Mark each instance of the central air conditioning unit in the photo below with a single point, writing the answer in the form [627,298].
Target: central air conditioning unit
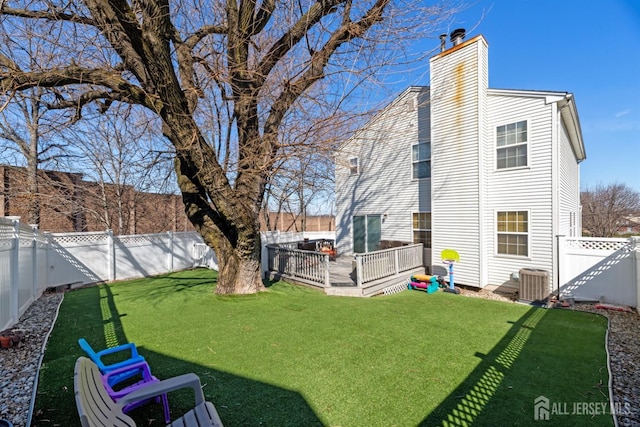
[534,285]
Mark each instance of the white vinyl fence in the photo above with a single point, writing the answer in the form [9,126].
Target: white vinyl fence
[594,269]
[23,267]
[31,261]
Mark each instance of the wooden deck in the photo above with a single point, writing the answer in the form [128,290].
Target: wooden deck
[385,271]
[343,280]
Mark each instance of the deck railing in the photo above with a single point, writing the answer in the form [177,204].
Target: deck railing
[313,267]
[377,265]
[307,266]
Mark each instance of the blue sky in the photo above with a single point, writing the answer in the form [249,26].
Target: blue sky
[589,48]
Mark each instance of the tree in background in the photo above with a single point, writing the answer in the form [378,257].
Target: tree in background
[124,157]
[605,206]
[224,79]
[303,180]
[27,138]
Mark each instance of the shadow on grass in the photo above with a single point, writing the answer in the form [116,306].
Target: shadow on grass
[500,391]
[503,387]
[239,401]
[176,283]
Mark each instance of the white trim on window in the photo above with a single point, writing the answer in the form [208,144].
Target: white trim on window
[354,166]
[512,145]
[421,228]
[421,160]
[513,233]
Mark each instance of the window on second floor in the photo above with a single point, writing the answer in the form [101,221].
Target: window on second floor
[421,158]
[511,145]
[354,166]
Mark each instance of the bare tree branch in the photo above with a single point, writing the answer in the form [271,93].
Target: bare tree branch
[46,15]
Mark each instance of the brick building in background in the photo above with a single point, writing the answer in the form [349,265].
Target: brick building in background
[284,221]
[70,204]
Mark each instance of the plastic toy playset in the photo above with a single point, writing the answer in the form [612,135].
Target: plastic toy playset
[430,284]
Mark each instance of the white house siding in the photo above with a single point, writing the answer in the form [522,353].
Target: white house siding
[458,86]
[466,190]
[384,184]
[486,156]
[569,223]
[527,188]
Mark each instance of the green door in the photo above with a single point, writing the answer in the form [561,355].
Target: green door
[367,232]
[374,232]
[359,234]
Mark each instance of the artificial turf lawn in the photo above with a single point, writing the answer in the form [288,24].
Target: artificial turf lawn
[293,356]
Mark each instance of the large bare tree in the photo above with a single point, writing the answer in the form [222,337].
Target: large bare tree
[224,77]
[604,207]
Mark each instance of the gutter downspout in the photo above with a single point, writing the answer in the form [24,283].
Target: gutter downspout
[555,197]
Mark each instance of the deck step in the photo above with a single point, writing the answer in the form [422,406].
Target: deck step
[344,292]
[343,284]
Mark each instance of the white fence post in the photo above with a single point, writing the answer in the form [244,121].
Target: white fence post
[47,239]
[170,255]
[15,272]
[635,247]
[111,256]
[34,263]
[559,276]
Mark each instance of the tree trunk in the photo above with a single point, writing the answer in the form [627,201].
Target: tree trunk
[239,265]
[32,188]
[238,274]
[237,245]
[32,165]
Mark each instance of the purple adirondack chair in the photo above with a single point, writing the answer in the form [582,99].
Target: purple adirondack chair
[143,377]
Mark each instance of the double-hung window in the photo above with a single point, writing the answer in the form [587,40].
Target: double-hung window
[513,233]
[354,166]
[422,228]
[511,145]
[421,158]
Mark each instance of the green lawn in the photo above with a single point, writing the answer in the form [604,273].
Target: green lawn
[292,356]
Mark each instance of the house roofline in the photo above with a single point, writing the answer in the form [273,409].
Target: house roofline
[569,113]
[566,106]
[526,93]
[394,101]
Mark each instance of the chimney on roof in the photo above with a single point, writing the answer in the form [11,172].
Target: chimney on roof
[443,42]
[457,36]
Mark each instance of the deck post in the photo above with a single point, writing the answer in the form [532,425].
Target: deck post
[396,261]
[359,271]
[327,280]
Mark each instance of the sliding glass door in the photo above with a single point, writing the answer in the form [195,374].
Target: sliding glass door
[367,232]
